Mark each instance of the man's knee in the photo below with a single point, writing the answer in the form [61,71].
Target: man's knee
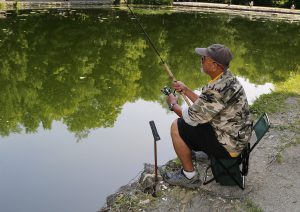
[174,129]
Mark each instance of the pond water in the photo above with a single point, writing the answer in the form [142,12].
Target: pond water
[79,87]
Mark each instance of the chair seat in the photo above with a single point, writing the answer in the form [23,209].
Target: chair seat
[232,171]
[221,175]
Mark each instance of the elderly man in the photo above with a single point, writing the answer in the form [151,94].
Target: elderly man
[218,121]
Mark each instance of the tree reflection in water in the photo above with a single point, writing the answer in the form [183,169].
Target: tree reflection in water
[82,66]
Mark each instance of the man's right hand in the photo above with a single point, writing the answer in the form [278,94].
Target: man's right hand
[179,86]
[183,89]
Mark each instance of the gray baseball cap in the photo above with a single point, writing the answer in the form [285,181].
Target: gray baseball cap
[218,52]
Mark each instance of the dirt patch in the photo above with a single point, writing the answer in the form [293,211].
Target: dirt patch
[272,183]
[275,163]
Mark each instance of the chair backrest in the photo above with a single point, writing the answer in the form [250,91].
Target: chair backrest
[260,128]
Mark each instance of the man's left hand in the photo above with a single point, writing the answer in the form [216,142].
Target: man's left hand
[171,99]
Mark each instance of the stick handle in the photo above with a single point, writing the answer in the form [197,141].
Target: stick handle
[154,131]
[156,138]
[171,76]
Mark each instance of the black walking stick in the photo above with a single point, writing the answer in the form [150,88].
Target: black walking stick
[156,138]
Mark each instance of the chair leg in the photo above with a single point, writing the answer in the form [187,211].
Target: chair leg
[209,181]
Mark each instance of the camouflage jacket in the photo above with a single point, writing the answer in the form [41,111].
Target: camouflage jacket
[223,103]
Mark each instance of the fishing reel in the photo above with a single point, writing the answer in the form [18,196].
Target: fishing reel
[167,91]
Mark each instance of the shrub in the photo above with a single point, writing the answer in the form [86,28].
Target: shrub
[2,5]
[289,3]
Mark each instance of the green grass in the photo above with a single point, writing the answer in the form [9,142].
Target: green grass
[293,142]
[247,206]
[291,85]
[275,102]
[269,103]
[279,158]
[132,202]
[252,207]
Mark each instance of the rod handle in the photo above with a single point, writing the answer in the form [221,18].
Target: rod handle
[154,131]
[171,76]
[169,72]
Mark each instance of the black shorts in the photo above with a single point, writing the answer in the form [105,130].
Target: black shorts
[201,138]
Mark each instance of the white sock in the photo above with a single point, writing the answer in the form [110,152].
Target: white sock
[189,175]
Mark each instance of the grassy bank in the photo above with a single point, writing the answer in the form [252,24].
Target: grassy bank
[275,102]
[285,99]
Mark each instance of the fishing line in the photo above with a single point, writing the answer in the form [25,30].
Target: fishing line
[169,72]
[146,34]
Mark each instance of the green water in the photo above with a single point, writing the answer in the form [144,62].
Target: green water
[78,70]
[82,66]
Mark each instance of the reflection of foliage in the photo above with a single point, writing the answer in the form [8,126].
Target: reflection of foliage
[82,67]
[270,52]
[68,77]
[81,135]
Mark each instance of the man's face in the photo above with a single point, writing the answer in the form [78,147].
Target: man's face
[205,64]
[208,65]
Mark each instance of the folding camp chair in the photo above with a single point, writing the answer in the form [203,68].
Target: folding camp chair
[232,171]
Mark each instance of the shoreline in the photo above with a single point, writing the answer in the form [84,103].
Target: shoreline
[254,12]
[177,6]
[274,160]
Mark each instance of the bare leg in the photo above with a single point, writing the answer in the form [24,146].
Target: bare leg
[182,150]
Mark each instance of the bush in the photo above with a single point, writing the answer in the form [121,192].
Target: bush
[2,5]
[116,2]
[289,3]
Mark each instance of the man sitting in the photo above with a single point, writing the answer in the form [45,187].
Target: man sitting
[218,122]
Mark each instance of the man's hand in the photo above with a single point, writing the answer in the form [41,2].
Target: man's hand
[173,105]
[183,89]
[171,99]
[179,86]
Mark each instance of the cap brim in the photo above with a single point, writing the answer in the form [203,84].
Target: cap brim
[201,51]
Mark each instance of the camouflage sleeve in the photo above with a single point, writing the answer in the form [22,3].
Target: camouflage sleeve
[204,109]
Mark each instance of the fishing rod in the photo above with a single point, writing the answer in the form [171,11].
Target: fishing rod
[167,69]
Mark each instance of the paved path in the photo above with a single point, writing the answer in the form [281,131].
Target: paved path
[237,7]
[46,4]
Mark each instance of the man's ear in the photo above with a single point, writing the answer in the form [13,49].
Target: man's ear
[215,67]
